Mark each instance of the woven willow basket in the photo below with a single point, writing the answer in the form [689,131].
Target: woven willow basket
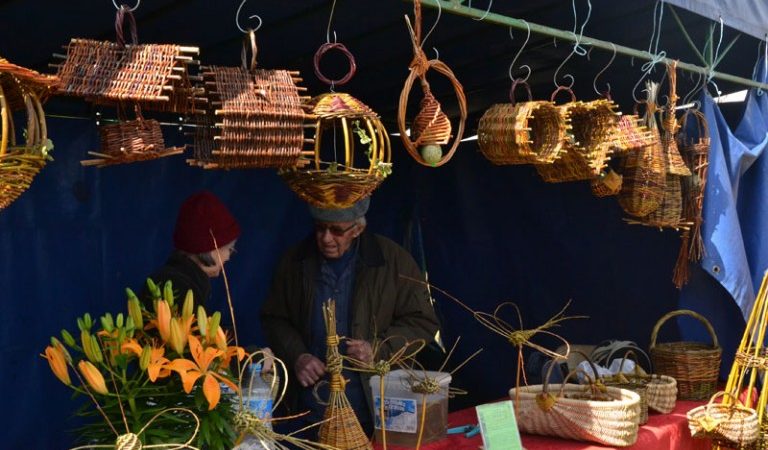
[662,393]
[595,129]
[607,184]
[131,141]
[632,134]
[592,413]
[21,89]
[522,133]
[732,425]
[695,365]
[574,415]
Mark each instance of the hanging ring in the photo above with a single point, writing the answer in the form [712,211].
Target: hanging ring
[350,58]
[130,9]
[237,19]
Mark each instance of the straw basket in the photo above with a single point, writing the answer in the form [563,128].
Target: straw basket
[21,89]
[578,412]
[595,128]
[694,365]
[634,382]
[632,134]
[732,425]
[522,133]
[662,393]
[257,119]
[333,182]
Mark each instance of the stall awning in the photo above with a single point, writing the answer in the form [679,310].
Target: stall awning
[747,16]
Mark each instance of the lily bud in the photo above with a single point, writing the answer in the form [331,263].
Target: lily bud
[96,349]
[213,323]
[58,363]
[107,323]
[178,337]
[85,341]
[202,320]
[57,344]
[168,292]
[154,291]
[68,339]
[120,320]
[93,376]
[163,319]
[146,354]
[134,311]
[189,305]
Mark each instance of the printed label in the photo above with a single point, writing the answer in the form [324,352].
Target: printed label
[261,407]
[400,414]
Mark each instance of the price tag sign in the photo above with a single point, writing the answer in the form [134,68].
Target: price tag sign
[498,426]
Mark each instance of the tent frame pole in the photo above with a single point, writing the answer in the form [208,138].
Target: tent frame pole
[456,7]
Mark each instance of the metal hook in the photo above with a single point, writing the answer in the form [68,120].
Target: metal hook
[696,87]
[439,13]
[237,19]
[594,82]
[129,9]
[519,52]
[437,53]
[554,77]
[328,28]
[487,11]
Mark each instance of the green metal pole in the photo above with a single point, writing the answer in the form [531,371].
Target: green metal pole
[455,7]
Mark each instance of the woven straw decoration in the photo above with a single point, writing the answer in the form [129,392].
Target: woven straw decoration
[607,416]
[694,365]
[632,134]
[338,183]
[607,184]
[21,89]
[153,75]
[340,428]
[431,126]
[732,425]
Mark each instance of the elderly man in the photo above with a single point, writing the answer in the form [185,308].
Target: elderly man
[361,271]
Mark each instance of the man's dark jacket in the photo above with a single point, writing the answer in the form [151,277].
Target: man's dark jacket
[383,303]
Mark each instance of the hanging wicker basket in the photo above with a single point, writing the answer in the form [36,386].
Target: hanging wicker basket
[332,179]
[522,133]
[256,117]
[695,365]
[607,184]
[632,134]
[23,90]
[595,129]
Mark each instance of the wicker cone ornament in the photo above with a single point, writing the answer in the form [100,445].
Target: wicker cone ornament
[340,428]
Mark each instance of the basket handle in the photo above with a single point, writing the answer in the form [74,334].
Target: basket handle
[683,312]
[249,41]
[701,123]
[4,122]
[724,394]
[122,13]
[517,82]
[563,88]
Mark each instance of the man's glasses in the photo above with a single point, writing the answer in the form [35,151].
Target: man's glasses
[335,230]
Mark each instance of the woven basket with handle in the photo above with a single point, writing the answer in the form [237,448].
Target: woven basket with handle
[695,365]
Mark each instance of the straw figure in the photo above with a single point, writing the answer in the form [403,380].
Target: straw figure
[382,367]
[517,337]
[340,427]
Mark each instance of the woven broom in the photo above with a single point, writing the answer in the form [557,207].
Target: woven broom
[340,428]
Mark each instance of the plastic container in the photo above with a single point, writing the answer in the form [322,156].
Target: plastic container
[258,399]
[403,407]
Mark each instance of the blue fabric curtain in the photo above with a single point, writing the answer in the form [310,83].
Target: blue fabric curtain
[748,16]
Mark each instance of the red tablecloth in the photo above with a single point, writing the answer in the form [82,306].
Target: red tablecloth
[663,431]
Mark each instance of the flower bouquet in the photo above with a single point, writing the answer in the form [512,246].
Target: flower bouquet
[154,377]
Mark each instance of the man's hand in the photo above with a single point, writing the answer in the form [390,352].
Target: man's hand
[360,350]
[308,369]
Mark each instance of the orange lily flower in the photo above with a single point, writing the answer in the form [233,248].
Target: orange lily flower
[158,364]
[93,376]
[131,345]
[190,371]
[58,363]
[230,352]
[164,320]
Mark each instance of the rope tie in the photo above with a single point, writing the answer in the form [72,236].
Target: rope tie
[128,441]
[334,364]
[338,383]
[332,340]
[520,337]
[247,422]
[382,368]
[428,386]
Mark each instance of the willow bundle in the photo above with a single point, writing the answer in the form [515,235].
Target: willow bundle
[340,428]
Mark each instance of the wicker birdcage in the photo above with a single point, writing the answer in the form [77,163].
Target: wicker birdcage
[24,90]
[256,119]
[522,133]
[334,181]
[156,76]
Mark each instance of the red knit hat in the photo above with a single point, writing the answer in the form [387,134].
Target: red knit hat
[199,216]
